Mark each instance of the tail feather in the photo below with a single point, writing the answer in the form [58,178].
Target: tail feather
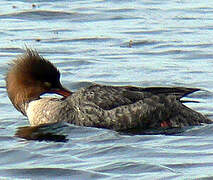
[177,91]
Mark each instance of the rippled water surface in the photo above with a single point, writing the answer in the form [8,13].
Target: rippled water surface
[118,42]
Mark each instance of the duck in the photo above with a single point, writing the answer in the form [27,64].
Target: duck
[118,108]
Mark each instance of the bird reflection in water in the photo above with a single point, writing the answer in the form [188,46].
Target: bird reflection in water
[47,132]
[57,132]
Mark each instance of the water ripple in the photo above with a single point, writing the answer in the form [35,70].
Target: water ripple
[128,42]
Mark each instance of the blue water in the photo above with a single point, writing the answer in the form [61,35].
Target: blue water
[137,42]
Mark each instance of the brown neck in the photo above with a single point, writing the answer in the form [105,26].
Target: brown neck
[21,97]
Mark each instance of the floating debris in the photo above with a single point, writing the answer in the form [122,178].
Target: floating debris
[130,43]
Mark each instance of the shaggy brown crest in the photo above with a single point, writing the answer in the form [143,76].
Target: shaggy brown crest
[30,76]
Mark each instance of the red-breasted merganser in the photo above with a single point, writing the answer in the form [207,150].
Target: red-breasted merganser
[113,107]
